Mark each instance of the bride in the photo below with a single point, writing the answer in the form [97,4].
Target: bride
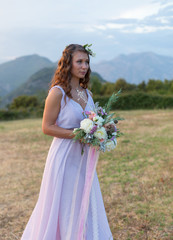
[57,213]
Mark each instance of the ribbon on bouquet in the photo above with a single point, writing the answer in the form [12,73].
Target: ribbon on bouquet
[90,170]
[91,163]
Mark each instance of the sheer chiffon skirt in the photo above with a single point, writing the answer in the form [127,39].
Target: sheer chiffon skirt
[56,212]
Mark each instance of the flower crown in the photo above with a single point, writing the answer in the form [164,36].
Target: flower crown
[87,48]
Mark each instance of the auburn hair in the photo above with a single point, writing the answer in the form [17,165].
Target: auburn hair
[62,76]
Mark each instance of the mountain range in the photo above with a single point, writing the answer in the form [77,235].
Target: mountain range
[38,84]
[16,72]
[32,74]
[136,67]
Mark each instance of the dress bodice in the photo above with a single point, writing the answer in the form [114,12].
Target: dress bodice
[70,114]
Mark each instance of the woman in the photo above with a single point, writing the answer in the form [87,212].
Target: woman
[57,214]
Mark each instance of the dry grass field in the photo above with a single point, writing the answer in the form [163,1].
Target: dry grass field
[136,179]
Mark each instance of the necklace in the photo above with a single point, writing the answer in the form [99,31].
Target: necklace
[81,95]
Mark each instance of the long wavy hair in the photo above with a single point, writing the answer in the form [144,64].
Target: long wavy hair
[62,76]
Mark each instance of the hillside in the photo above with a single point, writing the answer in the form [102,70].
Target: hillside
[28,74]
[16,72]
[37,84]
[136,67]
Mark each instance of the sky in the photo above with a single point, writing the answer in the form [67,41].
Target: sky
[114,27]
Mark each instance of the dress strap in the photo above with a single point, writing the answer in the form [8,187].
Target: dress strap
[63,93]
[56,86]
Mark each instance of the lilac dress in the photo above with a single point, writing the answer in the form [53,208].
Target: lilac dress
[56,211]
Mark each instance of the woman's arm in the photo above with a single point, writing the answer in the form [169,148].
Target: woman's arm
[51,111]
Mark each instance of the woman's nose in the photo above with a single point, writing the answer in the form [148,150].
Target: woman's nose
[85,65]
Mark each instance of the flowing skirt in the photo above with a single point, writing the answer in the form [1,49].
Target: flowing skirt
[56,213]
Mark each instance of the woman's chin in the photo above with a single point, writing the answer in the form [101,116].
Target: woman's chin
[82,75]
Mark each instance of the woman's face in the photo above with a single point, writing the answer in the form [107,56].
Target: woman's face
[80,64]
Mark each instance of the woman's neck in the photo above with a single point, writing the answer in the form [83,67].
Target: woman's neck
[75,83]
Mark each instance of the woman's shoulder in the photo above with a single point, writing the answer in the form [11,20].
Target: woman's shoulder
[55,94]
[57,90]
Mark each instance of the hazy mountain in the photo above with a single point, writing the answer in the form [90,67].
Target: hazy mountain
[31,72]
[136,67]
[97,75]
[37,84]
[16,72]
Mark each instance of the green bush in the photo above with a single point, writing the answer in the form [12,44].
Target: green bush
[126,101]
[24,102]
[20,114]
[23,107]
[138,100]
[13,114]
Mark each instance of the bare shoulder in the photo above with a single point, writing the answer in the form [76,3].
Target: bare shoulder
[90,93]
[52,107]
[54,95]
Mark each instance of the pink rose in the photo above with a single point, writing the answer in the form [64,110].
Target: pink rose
[92,115]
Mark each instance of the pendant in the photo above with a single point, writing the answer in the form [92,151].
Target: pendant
[81,95]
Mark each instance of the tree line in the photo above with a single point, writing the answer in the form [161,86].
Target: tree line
[152,86]
[155,94]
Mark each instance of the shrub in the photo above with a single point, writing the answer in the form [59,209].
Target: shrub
[24,102]
[13,114]
[138,100]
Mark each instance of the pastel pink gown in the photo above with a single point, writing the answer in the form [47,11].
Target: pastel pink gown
[57,209]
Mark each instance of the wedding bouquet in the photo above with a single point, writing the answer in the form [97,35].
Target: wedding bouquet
[98,128]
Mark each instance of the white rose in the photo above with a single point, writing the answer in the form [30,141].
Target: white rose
[98,120]
[110,145]
[86,125]
[100,133]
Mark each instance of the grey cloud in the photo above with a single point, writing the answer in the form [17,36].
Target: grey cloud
[165,13]
[50,41]
[163,19]
[162,2]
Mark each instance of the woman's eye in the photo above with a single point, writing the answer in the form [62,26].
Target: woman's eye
[79,61]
